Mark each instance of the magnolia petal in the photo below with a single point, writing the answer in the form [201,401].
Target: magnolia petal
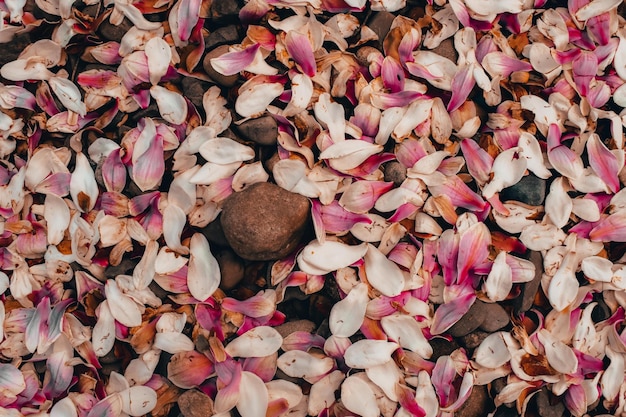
[159,56]
[563,287]
[361,196]
[385,376]
[612,378]
[122,307]
[331,115]
[68,94]
[349,154]
[172,106]
[366,353]
[189,369]
[299,364]
[301,93]
[595,8]
[321,258]
[57,215]
[346,316]
[560,356]
[103,333]
[254,399]
[322,393]
[64,408]
[138,400]
[597,268]
[358,397]
[174,221]
[253,99]
[407,332]
[533,154]
[255,343]
[449,313]
[540,237]
[558,204]
[508,168]
[603,162]
[493,351]
[83,185]
[499,282]
[234,62]
[301,51]
[203,276]
[172,342]
[382,274]
[225,151]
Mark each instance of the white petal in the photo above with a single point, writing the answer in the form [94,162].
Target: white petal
[299,364]
[563,287]
[280,388]
[348,154]
[533,154]
[613,376]
[172,106]
[138,400]
[122,307]
[500,279]
[519,217]
[367,352]
[492,352]
[255,343]
[173,342]
[301,93]
[249,174]
[540,237]
[383,274]
[425,394]
[597,268]
[405,330]
[159,55]
[322,393]
[560,356]
[508,168]
[331,115]
[385,376]
[225,151]
[212,172]
[253,399]
[358,397]
[168,262]
[347,315]
[64,408]
[254,100]
[372,232]
[586,209]
[68,94]
[83,185]
[321,258]
[203,276]
[57,215]
[174,221]
[558,203]
[103,334]
[112,230]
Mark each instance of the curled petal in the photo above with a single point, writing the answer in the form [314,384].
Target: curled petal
[382,274]
[57,215]
[405,330]
[159,55]
[123,308]
[203,276]
[172,105]
[358,397]
[319,259]
[138,400]
[257,342]
[299,364]
[83,186]
[449,313]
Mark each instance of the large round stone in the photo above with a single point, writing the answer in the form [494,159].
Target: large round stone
[264,222]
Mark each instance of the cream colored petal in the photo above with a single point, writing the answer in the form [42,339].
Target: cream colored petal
[255,343]
[346,316]
[358,397]
[203,276]
[382,274]
[367,352]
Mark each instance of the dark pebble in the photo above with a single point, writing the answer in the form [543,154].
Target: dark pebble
[548,405]
[193,403]
[496,318]
[262,130]
[214,233]
[224,8]
[447,50]
[12,49]
[109,32]
[530,190]
[380,23]
[477,405]
[225,35]
[473,339]
[395,172]
[470,321]
[524,302]
[194,89]
[442,347]
[231,268]
[222,80]
[506,412]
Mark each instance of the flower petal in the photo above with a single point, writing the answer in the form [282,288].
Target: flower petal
[203,276]
[346,316]
[255,343]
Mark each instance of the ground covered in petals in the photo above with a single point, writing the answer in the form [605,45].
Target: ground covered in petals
[312,207]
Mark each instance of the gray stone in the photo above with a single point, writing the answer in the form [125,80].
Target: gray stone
[194,89]
[548,405]
[214,233]
[380,23]
[529,289]
[264,222]
[111,32]
[290,327]
[496,318]
[473,339]
[477,405]
[224,35]
[447,50]
[395,172]
[12,49]
[194,403]
[224,8]
[442,347]
[231,268]
[262,130]
[530,190]
[470,321]
[222,80]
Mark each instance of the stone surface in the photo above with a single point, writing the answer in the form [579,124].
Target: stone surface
[11,50]
[231,268]
[470,321]
[473,339]
[529,190]
[529,289]
[290,327]
[548,405]
[496,318]
[110,32]
[214,233]
[447,50]
[441,347]
[224,8]
[222,80]
[477,405]
[380,22]
[262,130]
[194,89]
[395,172]
[224,35]
[193,403]
[264,221]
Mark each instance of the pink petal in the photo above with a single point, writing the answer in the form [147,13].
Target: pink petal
[149,167]
[584,68]
[460,194]
[447,255]
[392,75]
[256,306]
[443,376]
[473,249]
[114,172]
[603,162]
[300,49]
[399,99]
[301,340]
[449,313]
[15,96]
[58,375]
[333,218]
[462,85]
[599,28]
[611,228]
[478,161]
[498,63]
[188,15]
[110,406]
[361,196]
[406,398]
[234,62]
[189,369]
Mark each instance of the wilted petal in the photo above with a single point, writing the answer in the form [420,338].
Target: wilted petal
[449,313]
[225,151]
[346,316]
[234,62]
[349,154]
[358,397]
[563,287]
[68,94]
[203,276]
[612,378]
[366,353]
[560,356]
[103,334]
[299,364]
[83,186]
[322,393]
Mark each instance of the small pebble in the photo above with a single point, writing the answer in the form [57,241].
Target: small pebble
[194,89]
[224,35]
[441,347]
[529,190]
[380,23]
[473,339]
[548,405]
[395,172]
[262,130]
[290,327]
[470,321]
[111,32]
[530,288]
[222,80]
[496,318]
[231,268]
[477,405]
[194,403]
[446,49]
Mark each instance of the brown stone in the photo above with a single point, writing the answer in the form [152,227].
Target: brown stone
[470,321]
[447,50]
[477,405]
[194,403]
[395,172]
[264,222]
[220,79]
[380,23]
[473,339]
[529,289]
[496,318]
[262,130]
[290,327]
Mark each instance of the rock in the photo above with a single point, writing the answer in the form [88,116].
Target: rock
[225,35]
[441,347]
[262,130]
[222,80]
[224,8]
[214,233]
[496,318]
[447,50]
[470,321]
[194,403]
[601,311]
[12,49]
[264,222]
[506,412]
[477,405]
[110,32]
[290,327]
[395,172]
[530,190]
[473,339]
[525,301]
[194,89]
[548,405]
[231,268]
[380,23]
